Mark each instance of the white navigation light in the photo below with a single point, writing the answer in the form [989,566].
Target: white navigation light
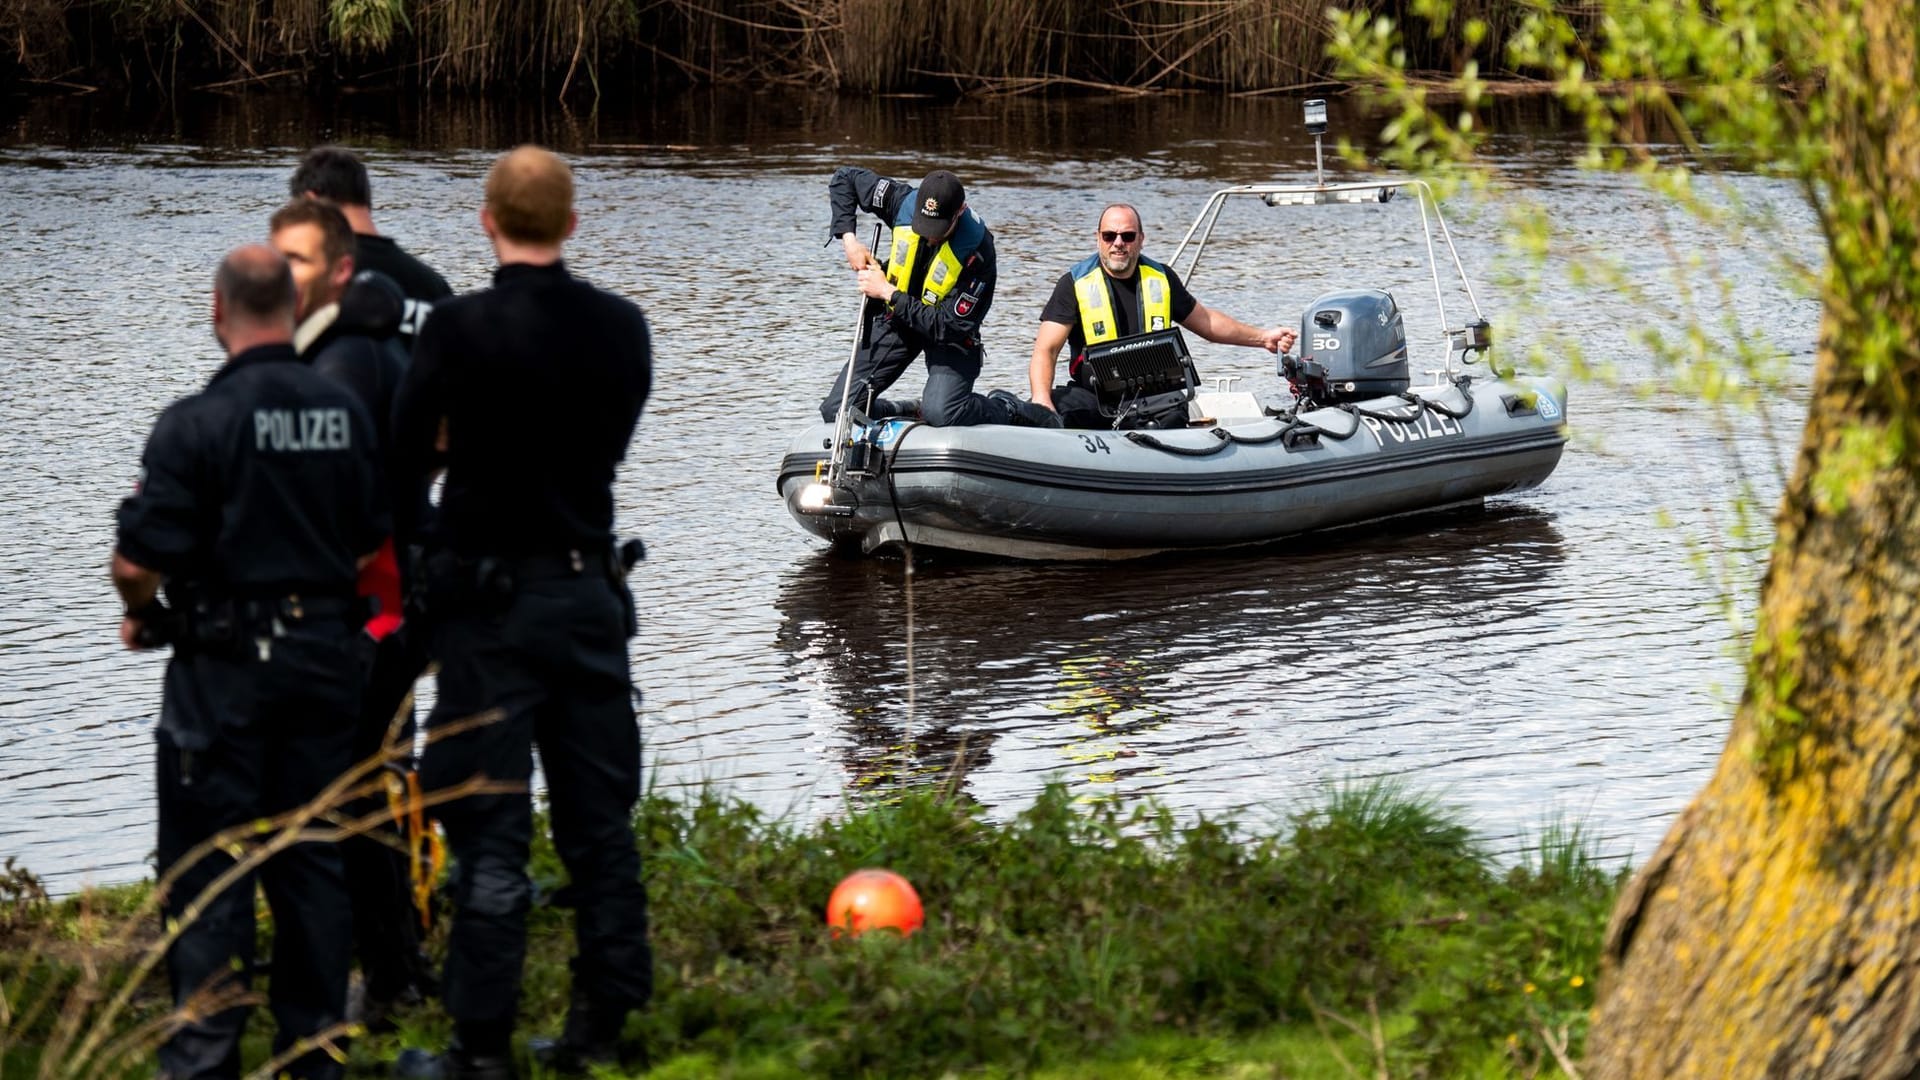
[1316,110]
[815,497]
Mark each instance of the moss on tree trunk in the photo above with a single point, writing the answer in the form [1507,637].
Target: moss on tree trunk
[1776,932]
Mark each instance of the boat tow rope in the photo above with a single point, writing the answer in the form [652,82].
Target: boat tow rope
[1141,438]
[1292,432]
[1419,403]
[1449,413]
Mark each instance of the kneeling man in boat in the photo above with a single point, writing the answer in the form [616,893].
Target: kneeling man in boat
[1118,292]
[933,294]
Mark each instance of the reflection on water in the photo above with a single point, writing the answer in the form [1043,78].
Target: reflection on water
[1556,653]
[1115,675]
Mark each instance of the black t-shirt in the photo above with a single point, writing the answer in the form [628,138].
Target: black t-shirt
[268,480]
[541,380]
[418,281]
[1064,306]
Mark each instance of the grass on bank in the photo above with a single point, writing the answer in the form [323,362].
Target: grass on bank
[1371,932]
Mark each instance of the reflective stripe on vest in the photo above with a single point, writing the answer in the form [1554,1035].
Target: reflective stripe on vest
[1097,319]
[942,276]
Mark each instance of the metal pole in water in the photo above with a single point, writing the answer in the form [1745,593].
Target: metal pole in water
[907,551]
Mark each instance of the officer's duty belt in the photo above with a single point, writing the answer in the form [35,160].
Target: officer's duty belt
[576,562]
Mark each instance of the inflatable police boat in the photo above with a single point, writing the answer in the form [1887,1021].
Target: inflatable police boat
[1184,469]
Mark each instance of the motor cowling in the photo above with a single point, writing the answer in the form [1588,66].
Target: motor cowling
[1353,345]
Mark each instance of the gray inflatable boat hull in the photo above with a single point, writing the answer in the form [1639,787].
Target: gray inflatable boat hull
[1044,494]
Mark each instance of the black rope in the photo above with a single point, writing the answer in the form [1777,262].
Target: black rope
[1391,418]
[1282,432]
[893,495]
[1341,437]
[1442,409]
[1141,438]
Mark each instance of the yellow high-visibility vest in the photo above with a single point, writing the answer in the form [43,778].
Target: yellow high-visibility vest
[1098,320]
[942,276]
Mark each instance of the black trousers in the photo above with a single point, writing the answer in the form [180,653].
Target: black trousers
[242,739]
[554,665]
[1079,407]
[386,925]
[947,400]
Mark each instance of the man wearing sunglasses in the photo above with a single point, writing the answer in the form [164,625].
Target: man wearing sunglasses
[1118,292]
[932,295]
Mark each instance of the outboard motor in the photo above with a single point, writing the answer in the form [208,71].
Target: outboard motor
[1352,345]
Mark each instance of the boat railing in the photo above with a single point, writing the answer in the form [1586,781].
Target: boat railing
[1468,337]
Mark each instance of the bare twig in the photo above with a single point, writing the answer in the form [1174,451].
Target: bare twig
[281,832]
[1027,84]
[323,1040]
[579,43]
[249,80]
[218,38]
[1320,1017]
[1556,1047]
[1379,1039]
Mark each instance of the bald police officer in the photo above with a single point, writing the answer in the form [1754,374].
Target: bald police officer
[259,498]
[1118,292]
[538,383]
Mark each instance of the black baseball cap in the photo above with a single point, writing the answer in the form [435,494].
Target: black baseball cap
[937,203]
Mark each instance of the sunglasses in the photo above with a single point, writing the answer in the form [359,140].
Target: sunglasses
[1127,237]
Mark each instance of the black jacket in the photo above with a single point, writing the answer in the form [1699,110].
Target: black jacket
[360,348]
[419,283]
[266,481]
[956,319]
[540,380]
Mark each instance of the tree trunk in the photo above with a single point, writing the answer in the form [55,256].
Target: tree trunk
[1776,932]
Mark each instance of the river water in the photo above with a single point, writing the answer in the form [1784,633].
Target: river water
[1559,654]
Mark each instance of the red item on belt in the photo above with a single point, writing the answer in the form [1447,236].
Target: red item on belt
[380,579]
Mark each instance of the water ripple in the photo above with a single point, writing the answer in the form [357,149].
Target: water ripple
[1557,653]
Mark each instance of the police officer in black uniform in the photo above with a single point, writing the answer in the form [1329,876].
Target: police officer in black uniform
[348,330]
[333,173]
[934,292]
[258,498]
[537,383]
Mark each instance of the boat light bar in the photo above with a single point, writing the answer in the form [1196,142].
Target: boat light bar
[1328,196]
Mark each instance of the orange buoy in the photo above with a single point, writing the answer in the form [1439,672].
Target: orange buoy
[869,899]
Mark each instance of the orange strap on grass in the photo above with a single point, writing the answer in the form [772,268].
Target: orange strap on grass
[427,853]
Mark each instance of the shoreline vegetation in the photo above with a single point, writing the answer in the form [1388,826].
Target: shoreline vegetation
[1369,934]
[566,49]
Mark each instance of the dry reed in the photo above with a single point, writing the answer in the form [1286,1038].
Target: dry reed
[555,47]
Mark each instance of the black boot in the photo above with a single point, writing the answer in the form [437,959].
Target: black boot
[906,408]
[591,1037]
[454,1064]
[1025,413]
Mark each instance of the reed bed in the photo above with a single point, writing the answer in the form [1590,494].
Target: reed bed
[561,47]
